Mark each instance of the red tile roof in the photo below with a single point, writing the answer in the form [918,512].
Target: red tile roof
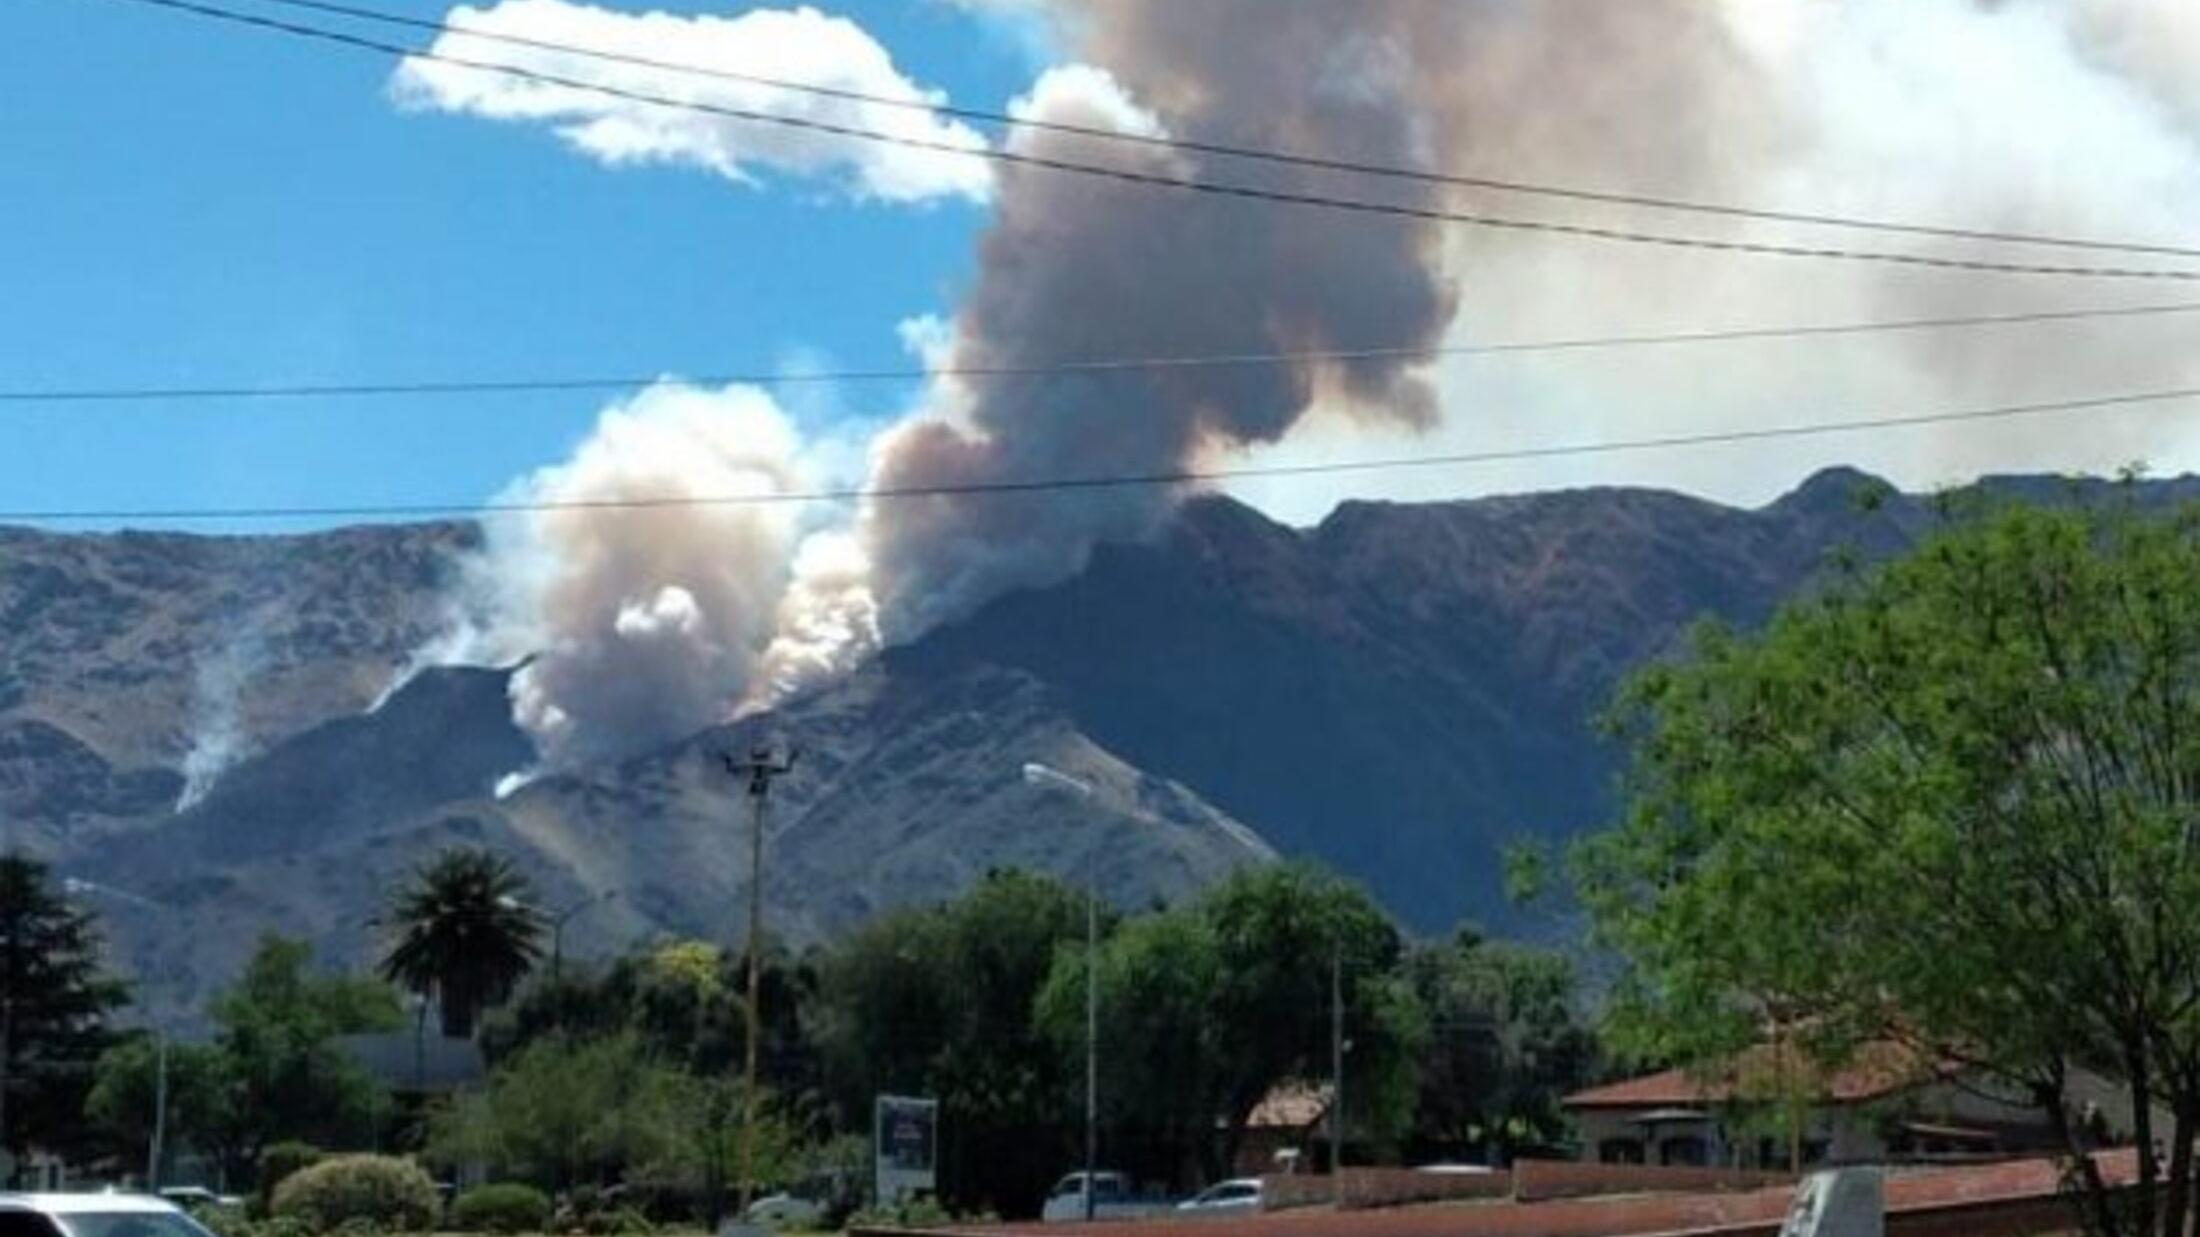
[1877,1069]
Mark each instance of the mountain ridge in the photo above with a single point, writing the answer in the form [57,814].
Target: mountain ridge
[1398,690]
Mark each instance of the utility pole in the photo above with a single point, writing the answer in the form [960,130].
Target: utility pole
[7,1079]
[1336,1071]
[1036,774]
[156,1152]
[759,770]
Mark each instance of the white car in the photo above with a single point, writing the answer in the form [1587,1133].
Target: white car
[1112,1199]
[94,1215]
[188,1196]
[786,1211]
[1238,1194]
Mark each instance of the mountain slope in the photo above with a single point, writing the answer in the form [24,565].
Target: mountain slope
[904,792]
[1398,691]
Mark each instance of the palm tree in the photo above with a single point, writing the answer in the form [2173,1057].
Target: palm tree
[463,932]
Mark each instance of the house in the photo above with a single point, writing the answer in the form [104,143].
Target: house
[1887,1104]
[409,1063]
[1286,1132]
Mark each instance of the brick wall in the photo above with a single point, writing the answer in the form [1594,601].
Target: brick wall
[1381,1187]
[1536,1180]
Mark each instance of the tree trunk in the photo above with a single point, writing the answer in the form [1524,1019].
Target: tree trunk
[2145,1202]
[2177,1199]
[2096,1214]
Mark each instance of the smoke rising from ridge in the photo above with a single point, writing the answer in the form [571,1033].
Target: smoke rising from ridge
[642,625]
[2080,118]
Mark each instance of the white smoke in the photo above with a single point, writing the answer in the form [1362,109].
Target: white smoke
[2019,115]
[219,737]
[643,623]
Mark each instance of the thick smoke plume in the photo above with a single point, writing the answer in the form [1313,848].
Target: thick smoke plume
[2017,114]
[642,624]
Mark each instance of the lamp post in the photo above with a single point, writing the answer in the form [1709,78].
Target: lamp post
[557,930]
[1037,774]
[156,1148]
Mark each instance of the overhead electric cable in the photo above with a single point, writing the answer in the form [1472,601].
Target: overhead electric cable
[1101,365]
[1281,157]
[1104,481]
[1184,184]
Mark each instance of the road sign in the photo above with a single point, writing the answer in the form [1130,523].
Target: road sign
[905,1147]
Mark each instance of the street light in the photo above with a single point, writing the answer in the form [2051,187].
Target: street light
[557,930]
[156,1149]
[1036,774]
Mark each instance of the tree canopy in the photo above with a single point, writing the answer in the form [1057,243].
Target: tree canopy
[462,931]
[55,998]
[1953,801]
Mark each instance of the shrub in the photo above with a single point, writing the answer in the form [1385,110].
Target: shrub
[506,1207]
[377,1191]
[235,1222]
[279,1160]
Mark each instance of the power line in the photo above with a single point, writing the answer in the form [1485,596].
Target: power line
[1103,482]
[497,386]
[1281,157]
[1355,206]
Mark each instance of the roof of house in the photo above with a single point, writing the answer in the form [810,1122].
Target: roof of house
[406,1061]
[1291,1106]
[1876,1069]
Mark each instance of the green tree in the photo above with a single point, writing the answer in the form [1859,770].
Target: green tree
[1948,801]
[1162,1080]
[1207,1008]
[288,1079]
[1278,930]
[462,930]
[55,997]
[123,1100]
[1507,1043]
[565,1112]
[939,1001]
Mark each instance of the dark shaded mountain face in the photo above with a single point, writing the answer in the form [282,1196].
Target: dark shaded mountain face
[1403,689]
[1397,691]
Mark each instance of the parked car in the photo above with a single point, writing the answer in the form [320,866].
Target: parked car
[1112,1199]
[189,1196]
[94,1215]
[1239,1194]
[820,1201]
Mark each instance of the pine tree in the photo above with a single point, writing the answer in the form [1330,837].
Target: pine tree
[55,995]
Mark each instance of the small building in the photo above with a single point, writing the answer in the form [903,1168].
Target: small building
[407,1063]
[1286,1132]
[1887,1105]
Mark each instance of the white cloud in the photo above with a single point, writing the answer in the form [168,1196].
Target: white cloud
[798,45]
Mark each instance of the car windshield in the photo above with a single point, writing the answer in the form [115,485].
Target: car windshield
[131,1224]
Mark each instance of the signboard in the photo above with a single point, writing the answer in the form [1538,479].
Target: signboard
[905,1147]
[1840,1202]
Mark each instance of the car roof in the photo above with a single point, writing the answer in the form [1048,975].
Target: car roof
[87,1204]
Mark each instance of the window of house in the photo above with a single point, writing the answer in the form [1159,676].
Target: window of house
[1687,1149]
[1620,1151]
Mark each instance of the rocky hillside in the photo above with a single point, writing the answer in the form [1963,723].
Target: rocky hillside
[1398,691]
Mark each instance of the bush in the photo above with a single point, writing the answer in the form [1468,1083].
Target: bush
[279,1160]
[235,1222]
[506,1207]
[924,1212]
[350,1191]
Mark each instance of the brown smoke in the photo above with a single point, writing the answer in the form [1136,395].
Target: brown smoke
[1073,268]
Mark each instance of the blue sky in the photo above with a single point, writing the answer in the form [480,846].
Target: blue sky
[182,202]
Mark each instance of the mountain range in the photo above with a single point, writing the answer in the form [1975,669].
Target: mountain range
[205,733]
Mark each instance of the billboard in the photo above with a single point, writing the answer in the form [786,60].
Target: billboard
[905,1147]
